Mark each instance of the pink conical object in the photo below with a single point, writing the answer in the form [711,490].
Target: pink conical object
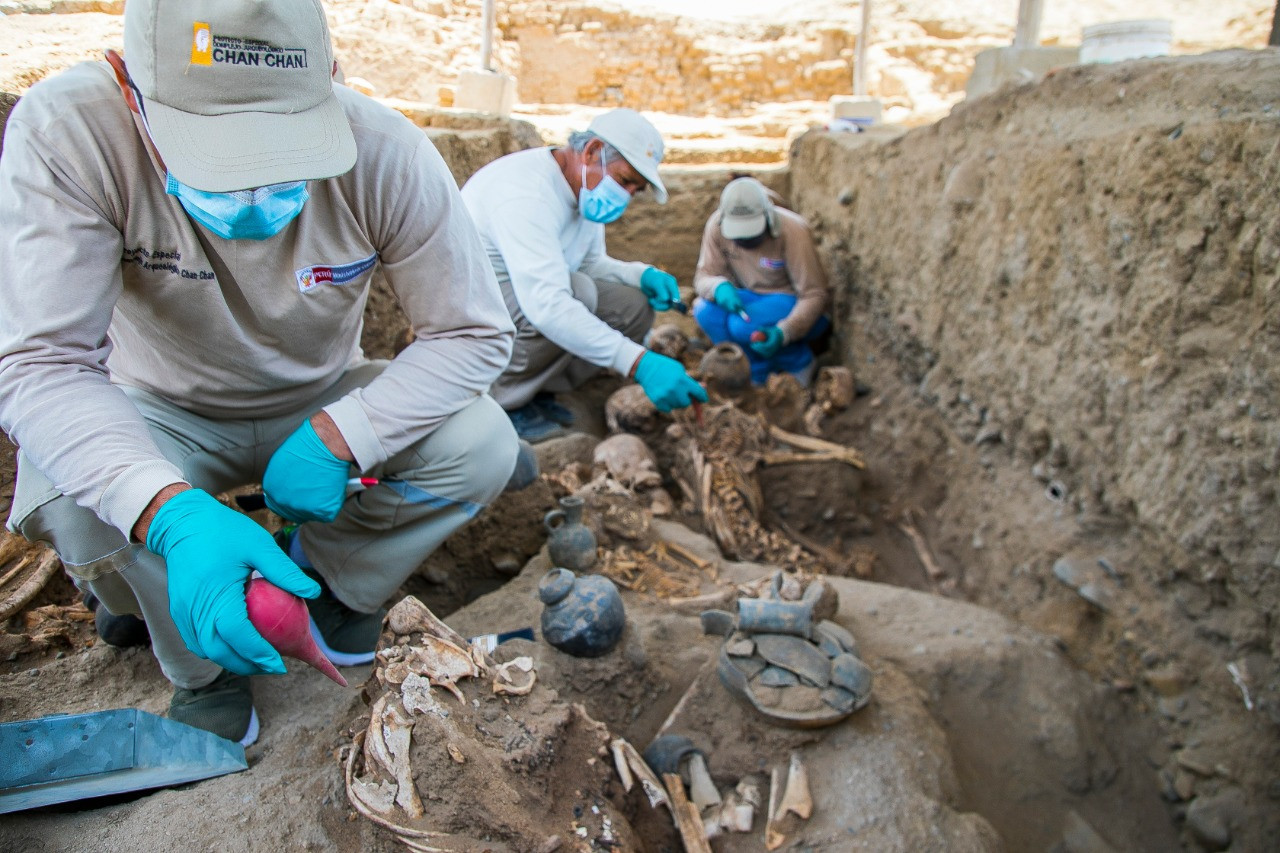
[282,619]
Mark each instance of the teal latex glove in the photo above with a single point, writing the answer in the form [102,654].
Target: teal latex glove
[666,384]
[304,481]
[660,287]
[210,550]
[771,340]
[726,296]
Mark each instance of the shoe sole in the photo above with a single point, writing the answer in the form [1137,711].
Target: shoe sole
[339,658]
[251,736]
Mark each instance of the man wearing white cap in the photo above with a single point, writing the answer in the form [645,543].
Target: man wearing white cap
[541,214]
[188,243]
[760,283]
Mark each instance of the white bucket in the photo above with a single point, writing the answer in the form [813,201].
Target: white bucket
[1119,40]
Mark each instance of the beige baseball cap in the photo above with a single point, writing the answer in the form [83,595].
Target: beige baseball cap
[238,93]
[637,140]
[744,209]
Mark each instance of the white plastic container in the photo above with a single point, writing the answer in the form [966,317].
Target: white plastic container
[1116,41]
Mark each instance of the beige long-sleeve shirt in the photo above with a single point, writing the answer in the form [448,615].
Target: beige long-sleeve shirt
[104,278]
[787,263]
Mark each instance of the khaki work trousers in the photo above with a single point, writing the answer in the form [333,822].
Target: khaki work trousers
[381,536]
[537,364]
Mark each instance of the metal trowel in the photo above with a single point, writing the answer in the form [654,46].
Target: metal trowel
[67,757]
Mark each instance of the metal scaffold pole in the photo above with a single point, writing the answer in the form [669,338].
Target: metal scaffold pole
[860,60]
[1027,33]
[486,36]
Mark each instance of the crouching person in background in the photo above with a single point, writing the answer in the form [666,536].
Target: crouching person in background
[760,284]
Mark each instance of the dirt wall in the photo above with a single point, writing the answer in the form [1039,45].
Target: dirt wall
[1087,271]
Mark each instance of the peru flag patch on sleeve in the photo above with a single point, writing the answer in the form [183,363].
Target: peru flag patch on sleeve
[310,278]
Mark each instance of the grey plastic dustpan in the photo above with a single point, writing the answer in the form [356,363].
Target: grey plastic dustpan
[68,757]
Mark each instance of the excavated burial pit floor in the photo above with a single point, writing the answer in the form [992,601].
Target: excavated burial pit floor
[1035,770]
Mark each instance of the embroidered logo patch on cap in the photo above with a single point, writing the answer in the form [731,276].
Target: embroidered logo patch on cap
[201,44]
[209,49]
[310,278]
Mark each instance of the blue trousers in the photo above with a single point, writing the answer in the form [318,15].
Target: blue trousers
[764,310]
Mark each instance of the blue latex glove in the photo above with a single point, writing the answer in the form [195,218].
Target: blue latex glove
[304,481]
[666,384]
[773,341]
[726,296]
[660,287]
[210,550]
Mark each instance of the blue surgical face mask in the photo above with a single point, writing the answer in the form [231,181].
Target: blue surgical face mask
[606,202]
[244,214]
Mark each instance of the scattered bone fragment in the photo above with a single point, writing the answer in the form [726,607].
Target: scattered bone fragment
[410,615]
[812,420]
[397,732]
[621,764]
[442,662]
[701,789]
[379,796]
[796,799]
[505,682]
[908,526]
[652,786]
[819,450]
[455,753]
[34,566]
[773,837]
[418,698]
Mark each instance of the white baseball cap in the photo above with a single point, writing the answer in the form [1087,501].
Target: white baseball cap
[744,209]
[238,93]
[637,140]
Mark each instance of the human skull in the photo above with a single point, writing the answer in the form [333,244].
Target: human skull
[628,460]
[629,409]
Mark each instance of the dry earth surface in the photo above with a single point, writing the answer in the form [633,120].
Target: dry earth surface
[1062,299]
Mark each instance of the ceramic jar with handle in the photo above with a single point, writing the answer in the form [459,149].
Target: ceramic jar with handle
[570,543]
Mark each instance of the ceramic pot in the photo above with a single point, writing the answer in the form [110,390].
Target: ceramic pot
[581,616]
[570,543]
[725,370]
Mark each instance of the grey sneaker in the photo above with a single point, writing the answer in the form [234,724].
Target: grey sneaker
[347,637]
[224,707]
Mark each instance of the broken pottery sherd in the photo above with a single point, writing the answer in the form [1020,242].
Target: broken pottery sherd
[850,673]
[750,667]
[788,678]
[772,676]
[834,639]
[769,615]
[667,752]
[840,699]
[797,655]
